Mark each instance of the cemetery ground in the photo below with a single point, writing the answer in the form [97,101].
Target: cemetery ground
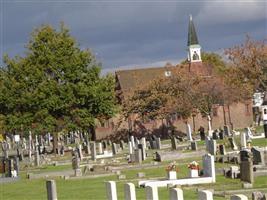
[92,184]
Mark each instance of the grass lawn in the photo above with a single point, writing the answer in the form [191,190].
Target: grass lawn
[95,188]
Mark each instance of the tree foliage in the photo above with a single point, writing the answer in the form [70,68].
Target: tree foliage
[248,64]
[55,86]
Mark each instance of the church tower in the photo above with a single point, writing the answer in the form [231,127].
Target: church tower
[194,54]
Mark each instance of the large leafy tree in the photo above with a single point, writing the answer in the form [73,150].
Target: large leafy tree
[248,63]
[55,86]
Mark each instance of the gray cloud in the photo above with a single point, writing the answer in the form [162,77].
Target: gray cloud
[137,32]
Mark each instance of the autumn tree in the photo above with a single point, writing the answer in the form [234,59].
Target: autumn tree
[248,64]
[56,86]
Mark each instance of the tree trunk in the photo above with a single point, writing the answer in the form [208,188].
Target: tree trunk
[55,143]
[93,133]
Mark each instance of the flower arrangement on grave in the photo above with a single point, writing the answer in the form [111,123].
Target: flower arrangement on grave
[193,165]
[172,167]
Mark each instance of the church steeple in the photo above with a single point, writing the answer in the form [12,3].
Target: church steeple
[192,35]
[194,54]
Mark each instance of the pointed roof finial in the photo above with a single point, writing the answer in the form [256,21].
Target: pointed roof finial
[190,17]
[192,35]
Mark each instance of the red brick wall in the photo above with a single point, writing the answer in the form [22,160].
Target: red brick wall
[238,114]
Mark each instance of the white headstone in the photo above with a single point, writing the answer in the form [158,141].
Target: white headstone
[209,126]
[264,112]
[189,132]
[205,195]
[143,142]
[100,149]
[130,148]
[129,191]
[111,190]
[16,138]
[176,194]
[243,140]
[132,141]
[238,197]
[152,193]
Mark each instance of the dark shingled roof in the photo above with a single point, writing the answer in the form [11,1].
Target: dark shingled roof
[135,78]
[192,35]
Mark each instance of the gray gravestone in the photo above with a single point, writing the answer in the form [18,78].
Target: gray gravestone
[51,190]
[194,146]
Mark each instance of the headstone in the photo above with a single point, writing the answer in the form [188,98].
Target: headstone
[221,134]
[111,190]
[232,143]
[238,197]
[205,195]
[129,191]
[141,175]
[226,130]
[132,141]
[202,133]
[76,164]
[93,151]
[176,194]
[243,140]
[130,147]
[36,158]
[152,193]
[258,156]
[51,190]
[158,143]
[30,145]
[105,145]
[80,151]
[194,146]
[246,171]
[100,149]
[143,142]
[62,150]
[189,132]
[215,135]
[258,196]
[174,143]
[209,126]
[222,149]
[114,148]
[5,149]
[143,151]
[122,144]
[138,155]
[209,167]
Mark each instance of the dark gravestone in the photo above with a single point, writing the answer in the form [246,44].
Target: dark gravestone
[105,145]
[258,156]
[122,144]
[221,135]
[215,135]
[194,146]
[246,166]
[222,149]
[227,131]
[174,143]
[114,148]
[202,133]
[232,143]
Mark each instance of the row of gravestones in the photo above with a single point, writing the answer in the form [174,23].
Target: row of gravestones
[151,192]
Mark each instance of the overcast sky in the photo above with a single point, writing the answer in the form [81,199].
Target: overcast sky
[135,33]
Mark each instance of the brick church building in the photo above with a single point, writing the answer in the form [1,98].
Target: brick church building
[237,115]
